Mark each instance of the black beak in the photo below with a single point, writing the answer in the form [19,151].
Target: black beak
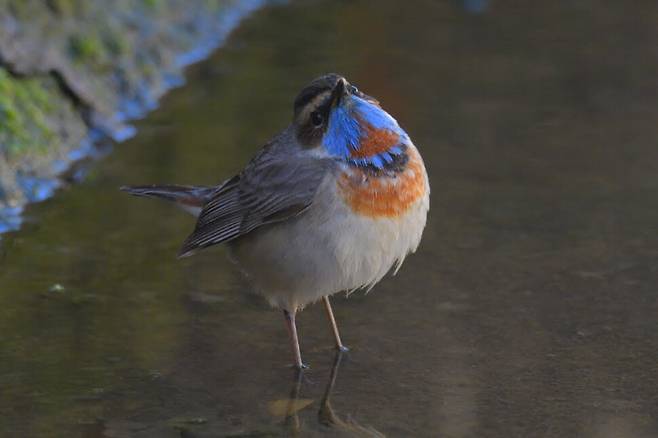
[338,92]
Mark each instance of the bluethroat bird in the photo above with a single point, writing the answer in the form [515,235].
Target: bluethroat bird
[330,204]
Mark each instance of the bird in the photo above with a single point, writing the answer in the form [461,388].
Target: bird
[331,204]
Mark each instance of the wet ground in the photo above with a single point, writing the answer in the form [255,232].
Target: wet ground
[531,308]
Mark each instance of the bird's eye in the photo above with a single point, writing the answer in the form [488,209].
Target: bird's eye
[354,90]
[317,118]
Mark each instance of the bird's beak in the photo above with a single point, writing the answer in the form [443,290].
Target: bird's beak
[338,92]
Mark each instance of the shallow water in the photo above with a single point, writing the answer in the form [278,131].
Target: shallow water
[529,310]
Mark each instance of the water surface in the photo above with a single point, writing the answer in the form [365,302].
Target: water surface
[529,310]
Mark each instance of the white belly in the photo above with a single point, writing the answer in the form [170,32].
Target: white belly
[327,249]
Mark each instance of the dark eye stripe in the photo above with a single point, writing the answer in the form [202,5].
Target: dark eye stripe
[309,133]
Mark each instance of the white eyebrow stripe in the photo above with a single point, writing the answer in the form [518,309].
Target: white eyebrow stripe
[313,104]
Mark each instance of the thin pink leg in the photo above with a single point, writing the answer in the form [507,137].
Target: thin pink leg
[334,326]
[294,340]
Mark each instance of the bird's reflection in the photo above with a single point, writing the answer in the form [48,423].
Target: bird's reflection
[327,416]
[292,422]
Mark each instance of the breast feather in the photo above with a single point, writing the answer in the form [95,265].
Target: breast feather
[387,195]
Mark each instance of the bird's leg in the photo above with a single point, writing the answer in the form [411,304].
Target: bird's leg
[334,326]
[294,340]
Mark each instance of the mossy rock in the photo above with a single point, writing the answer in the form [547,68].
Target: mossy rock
[66,61]
[24,105]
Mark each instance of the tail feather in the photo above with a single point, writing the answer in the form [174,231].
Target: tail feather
[191,198]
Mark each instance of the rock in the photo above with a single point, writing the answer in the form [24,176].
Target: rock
[68,67]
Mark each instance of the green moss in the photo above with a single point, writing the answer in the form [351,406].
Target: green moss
[86,48]
[24,108]
[68,8]
[116,43]
[61,7]
[152,4]
[21,9]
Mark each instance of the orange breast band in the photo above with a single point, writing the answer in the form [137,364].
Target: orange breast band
[384,196]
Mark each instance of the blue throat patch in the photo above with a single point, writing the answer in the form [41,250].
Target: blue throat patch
[345,132]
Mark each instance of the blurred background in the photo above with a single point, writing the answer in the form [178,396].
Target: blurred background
[529,310]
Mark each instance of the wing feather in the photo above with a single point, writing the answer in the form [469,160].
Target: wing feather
[273,187]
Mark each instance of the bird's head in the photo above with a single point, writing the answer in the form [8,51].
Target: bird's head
[333,116]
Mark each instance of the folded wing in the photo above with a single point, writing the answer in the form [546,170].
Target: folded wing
[272,188]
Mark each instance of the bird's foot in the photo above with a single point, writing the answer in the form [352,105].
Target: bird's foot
[300,367]
[342,348]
